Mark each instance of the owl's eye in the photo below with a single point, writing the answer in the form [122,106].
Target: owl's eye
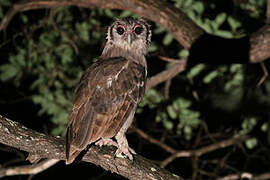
[138,30]
[120,30]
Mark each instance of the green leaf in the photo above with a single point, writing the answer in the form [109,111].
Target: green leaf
[152,47]
[198,7]
[191,15]
[183,53]
[181,103]
[207,26]
[188,132]
[125,14]
[109,13]
[188,3]
[94,21]
[247,125]
[46,40]
[172,113]
[82,29]
[37,99]
[234,23]
[162,116]
[24,18]
[67,55]
[160,29]
[225,34]
[96,34]
[212,75]
[178,3]
[220,19]
[194,71]
[194,121]
[264,127]
[7,71]
[1,12]
[59,130]
[168,124]
[251,143]
[167,39]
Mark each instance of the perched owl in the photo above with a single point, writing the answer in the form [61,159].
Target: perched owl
[110,90]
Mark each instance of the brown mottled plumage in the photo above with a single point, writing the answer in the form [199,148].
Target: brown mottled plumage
[110,90]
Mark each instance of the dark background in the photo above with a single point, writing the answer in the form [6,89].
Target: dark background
[225,112]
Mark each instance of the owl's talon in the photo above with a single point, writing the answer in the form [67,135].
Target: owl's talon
[108,142]
[132,151]
[127,151]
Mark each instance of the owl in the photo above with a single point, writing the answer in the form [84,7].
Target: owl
[109,91]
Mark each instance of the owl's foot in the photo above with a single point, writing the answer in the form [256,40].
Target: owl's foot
[123,146]
[127,151]
[106,141]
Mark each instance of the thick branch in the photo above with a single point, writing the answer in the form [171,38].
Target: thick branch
[260,45]
[43,146]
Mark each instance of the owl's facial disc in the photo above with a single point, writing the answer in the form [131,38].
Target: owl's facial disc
[129,33]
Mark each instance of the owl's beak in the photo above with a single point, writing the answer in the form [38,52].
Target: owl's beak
[129,39]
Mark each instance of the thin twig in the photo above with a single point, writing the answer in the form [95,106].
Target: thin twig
[265,74]
[189,153]
[171,60]
[167,88]
[154,141]
[244,175]
[28,169]
[195,168]
[204,150]
[166,74]
[63,33]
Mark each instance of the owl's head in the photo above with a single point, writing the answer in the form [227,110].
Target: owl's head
[130,34]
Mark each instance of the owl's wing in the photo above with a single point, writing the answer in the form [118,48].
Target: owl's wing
[107,93]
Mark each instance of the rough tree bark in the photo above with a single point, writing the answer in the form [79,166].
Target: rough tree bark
[42,146]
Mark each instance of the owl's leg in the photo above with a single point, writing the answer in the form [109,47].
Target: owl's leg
[106,141]
[123,146]
[122,140]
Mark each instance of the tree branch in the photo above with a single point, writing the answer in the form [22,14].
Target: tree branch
[204,150]
[174,20]
[42,146]
[154,141]
[166,74]
[246,175]
[28,169]
[189,153]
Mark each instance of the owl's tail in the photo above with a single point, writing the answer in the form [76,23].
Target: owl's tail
[71,154]
[71,151]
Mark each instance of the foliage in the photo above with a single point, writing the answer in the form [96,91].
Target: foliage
[50,52]
[3,4]
[50,46]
